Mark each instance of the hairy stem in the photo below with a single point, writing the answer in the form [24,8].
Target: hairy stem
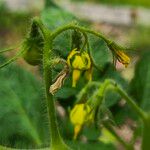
[8,49]
[145,117]
[56,140]
[45,31]
[111,84]
[131,102]
[12,59]
[81,29]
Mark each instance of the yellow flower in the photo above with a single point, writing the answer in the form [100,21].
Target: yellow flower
[118,52]
[79,62]
[122,58]
[79,115]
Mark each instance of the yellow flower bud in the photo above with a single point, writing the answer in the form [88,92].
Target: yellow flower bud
[79,115]
[119,53]
[122,58]
[79,62]
[75,77]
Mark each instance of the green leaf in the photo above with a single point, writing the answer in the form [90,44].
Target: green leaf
[99,51]
[102,59]
[140,84]
[21,108]
[90,145]
[62,44]
[91,133]
[56,17]
[53,18]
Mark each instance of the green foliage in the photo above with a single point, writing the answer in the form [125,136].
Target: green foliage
[144,3]
[55,17]
[33,46]
[90,145]
[23,92]
[140,38]
[112,97]
[76,40]
[140,84]
[91,132]
[23,121]
[98,49]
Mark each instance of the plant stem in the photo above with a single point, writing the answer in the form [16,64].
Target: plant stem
[12,59]
[100,93]
[56,140]
[82,29]
[8,49]
[85,90]
[110,83]
[131,102]
[45,31]
[144,116]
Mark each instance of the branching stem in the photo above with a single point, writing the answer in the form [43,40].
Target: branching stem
[56,141]
[81,29]
[111,84]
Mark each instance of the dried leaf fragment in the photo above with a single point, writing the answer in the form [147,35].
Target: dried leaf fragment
[59,81]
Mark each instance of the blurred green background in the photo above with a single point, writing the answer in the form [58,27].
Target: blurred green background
[144,3]
[23,116]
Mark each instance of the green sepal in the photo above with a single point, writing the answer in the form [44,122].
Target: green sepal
[33,46]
